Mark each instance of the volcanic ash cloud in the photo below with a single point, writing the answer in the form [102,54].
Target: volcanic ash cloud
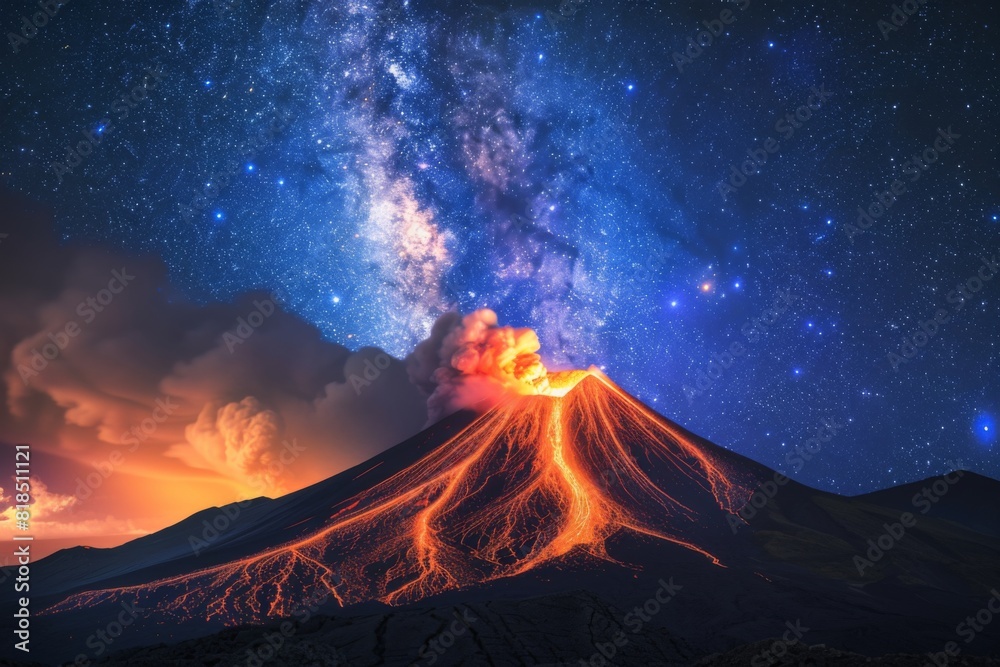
[473,362]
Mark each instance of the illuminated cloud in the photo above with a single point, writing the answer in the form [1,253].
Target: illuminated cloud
[53,516]
[472,362]
[150,378]
[241,439]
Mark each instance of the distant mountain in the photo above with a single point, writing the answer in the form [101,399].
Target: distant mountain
[582,489]
[946,498]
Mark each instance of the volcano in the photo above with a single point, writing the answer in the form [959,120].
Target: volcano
[579,487]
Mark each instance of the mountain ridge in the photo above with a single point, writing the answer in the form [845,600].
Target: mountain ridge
[582,488]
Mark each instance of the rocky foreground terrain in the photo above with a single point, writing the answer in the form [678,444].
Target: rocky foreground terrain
[534,632]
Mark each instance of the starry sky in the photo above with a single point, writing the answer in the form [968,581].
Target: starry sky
[378,164]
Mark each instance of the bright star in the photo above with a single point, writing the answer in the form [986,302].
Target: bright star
[984,428]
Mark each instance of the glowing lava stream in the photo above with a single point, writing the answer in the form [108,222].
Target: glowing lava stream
[536,479]
[579,527]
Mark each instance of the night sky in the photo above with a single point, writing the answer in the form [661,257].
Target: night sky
[380,163]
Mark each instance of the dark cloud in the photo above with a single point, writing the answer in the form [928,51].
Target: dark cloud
[100,353]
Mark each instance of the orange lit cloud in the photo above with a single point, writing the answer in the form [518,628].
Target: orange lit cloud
[157,382]
[473,361]
[54,515]
[144,410]
[242,440]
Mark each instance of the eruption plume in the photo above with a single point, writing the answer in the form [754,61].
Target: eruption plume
[472,361]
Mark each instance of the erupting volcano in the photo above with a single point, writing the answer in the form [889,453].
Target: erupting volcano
[538,491]
[538,478]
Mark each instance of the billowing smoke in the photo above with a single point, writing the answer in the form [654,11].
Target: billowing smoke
[241,439]
[473,362]
[100,356]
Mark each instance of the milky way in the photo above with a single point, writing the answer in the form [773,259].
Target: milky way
[379,164]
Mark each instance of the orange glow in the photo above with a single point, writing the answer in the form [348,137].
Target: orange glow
[560,383]
[536,479]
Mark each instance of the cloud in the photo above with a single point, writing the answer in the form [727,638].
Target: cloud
[99,353]
[105,366]
[241,439]
[473,362]
[52,515]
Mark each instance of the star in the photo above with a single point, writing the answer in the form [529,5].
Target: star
[415,160]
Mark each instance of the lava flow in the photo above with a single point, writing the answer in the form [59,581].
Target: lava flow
[533,481]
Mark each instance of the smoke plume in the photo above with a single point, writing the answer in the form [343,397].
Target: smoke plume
[473,362]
